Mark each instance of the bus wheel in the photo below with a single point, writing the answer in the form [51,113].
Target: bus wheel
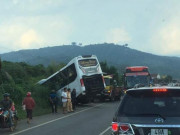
[92,100]
[85,101]
[102,99]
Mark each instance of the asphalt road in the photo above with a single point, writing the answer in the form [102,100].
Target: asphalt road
[91,119]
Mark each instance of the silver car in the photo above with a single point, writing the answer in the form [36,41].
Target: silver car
[148,111]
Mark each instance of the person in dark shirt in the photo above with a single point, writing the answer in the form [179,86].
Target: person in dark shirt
[53,101]
[73,99]
[6,104]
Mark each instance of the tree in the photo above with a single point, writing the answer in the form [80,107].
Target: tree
[110,70]
[0,63]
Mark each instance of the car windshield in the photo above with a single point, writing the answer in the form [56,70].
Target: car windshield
[134,80]
[88,62]
[149,103]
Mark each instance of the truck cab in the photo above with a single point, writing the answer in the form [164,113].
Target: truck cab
[112,90]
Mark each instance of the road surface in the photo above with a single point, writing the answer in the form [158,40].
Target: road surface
[90,119]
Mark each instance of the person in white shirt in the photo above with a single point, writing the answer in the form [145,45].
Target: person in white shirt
[64,100]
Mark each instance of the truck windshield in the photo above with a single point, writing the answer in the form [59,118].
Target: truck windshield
[147,103]
[134,80]
[88,62]
[107,81]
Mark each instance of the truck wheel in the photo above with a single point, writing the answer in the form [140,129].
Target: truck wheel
[117,98]
[112,98]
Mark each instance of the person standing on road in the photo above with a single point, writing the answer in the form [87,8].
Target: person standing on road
[29,105]
[69,103]
[64,100]
[53,101]
[73,99]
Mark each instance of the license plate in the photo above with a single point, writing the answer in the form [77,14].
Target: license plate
[159,131]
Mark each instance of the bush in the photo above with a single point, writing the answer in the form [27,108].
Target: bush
[19,78]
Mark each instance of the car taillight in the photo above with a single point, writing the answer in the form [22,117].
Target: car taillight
[82,82]
[160,90]
[124,127]
[115,126]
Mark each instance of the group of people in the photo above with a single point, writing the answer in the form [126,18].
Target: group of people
[8,106]
[68,100]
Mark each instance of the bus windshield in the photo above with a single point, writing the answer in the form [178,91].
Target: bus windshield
[88,62]
[134,80]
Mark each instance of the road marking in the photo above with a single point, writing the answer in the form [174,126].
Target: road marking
[102,133]
[55,120]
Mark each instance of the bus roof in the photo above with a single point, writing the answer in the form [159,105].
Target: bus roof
[136,68]
[86,56]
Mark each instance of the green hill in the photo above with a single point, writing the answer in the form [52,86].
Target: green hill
[117,55]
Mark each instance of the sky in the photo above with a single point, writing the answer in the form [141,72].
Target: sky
[147,25]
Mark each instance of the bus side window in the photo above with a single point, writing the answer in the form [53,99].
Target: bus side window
[72,74]
[63,78]
[68,75]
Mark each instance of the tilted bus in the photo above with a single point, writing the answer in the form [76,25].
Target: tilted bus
[82,73]
[136,76]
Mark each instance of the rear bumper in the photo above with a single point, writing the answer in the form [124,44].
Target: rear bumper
[146,129]
[94,85]
[94,93]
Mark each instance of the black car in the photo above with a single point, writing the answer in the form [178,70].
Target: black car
[148,111]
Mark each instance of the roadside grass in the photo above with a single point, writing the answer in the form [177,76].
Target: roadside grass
[41,111]
[38,111]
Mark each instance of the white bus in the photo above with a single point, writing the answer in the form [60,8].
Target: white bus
[82,73]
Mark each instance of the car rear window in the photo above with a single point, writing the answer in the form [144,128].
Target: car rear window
[136,103]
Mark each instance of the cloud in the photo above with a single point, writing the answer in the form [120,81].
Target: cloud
[117,35]
[165,40]
[36,4]
[29,38]
[35,32]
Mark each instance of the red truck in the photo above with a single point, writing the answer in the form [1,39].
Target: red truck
[136,76]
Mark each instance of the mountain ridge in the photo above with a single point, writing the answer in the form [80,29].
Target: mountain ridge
[117,55]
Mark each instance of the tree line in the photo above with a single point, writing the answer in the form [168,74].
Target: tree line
[19,78]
